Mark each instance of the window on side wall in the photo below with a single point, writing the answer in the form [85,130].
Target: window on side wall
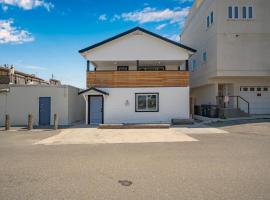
[204,56]
[194,65]
[250,12]
[212,17]
[236,16]
[244,12]
[147,102]
[230,12]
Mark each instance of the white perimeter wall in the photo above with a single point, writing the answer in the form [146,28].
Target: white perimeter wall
[22,100]
[173,103]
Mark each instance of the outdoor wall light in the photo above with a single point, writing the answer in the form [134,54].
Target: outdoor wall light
[127,102]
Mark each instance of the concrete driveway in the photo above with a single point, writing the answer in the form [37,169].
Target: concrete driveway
[89,135]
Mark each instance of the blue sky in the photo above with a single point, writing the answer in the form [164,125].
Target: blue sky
[43,36]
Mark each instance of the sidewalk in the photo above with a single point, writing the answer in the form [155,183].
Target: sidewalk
[207,120]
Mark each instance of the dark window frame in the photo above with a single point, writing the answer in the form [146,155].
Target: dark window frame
[144,68]
[122,68]
[147,93]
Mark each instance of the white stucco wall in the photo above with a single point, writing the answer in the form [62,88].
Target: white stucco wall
[173,103]
[24,99]
[137,46]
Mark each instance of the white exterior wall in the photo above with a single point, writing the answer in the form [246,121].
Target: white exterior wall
[205,94]
[237,50]
[136,46]
[173,103]
[24,99]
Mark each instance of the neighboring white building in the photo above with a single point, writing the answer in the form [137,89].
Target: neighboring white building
[232,39]
[42,101]
[138,77]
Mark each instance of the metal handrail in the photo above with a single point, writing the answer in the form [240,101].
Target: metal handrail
[238,97]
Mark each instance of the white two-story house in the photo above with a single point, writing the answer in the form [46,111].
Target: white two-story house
[231,68]
[136,77]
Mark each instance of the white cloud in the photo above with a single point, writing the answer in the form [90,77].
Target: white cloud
[27,4]
[102,17]
[33,67]
[161,26]
[149,14]
[115,17]
[11,34]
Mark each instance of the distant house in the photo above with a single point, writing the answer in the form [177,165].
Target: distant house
[8,75]
[231,68]
[136,77]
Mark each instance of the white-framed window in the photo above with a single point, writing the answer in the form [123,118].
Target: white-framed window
[204,56]
[147,102]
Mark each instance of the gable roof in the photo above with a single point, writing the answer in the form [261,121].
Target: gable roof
[95,89]
[142,30]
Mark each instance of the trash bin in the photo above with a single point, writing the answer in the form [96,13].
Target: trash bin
[203,110]
[213,112]
[196,110]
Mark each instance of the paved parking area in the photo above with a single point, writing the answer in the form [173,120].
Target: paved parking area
[226,166]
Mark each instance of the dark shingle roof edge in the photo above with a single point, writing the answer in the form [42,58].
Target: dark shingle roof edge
[95,89]
[140,29]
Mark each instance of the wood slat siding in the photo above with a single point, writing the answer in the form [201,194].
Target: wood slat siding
[138,79]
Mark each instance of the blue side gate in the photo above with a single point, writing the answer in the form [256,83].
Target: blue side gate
[44,111]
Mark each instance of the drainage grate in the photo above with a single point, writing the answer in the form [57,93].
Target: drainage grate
[125,182]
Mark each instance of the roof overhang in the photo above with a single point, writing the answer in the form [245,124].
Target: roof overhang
[189,49]
[93,89]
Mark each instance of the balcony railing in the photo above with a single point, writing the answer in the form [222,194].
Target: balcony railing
[137,79]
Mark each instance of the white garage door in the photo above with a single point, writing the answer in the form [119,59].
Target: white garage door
[258,97]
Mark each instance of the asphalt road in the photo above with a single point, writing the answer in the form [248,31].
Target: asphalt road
[233,166]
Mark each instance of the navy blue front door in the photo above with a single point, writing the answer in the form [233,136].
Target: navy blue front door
[95,109]
[44,110]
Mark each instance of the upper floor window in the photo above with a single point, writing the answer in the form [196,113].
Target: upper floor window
[244,12]
[230,12]
[210,19]
[122,68]
[235,12]
[204,56]
[194,65]
[250,12]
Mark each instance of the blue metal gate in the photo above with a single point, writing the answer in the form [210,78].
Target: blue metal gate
[44,110]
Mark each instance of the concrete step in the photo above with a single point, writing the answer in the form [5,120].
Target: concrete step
[182,121]
[133,126]
[232,113]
